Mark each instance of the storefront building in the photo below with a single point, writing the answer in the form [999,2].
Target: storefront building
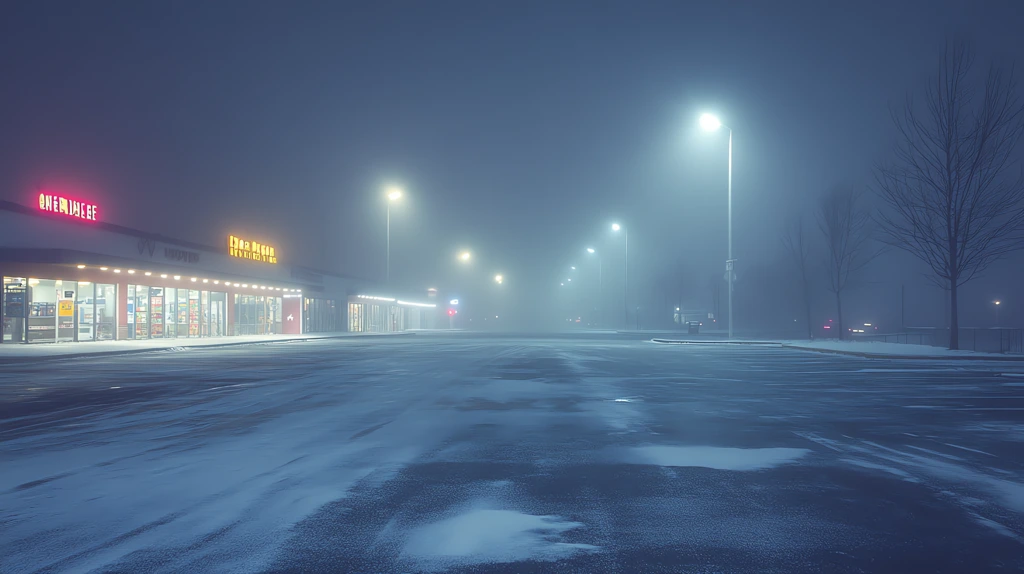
[376,314]
[70,276]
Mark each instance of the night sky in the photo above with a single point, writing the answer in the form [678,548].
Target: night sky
[519,130]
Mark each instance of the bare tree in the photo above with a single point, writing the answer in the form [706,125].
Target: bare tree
[951,202]
[799,249]
[846,227]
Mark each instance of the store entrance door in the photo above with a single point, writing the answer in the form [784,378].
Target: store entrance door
[217,316]
[85,308]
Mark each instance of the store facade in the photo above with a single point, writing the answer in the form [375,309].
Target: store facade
[69,276]
[377,314]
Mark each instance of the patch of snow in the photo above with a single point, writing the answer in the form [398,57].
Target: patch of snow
[969,449]
[719,458]
[1000,528]
[827,443]
[484,536]
[880,348]
[936,453]
[891,470]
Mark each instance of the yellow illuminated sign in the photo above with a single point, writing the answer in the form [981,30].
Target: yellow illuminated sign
[251,250]
[66,308]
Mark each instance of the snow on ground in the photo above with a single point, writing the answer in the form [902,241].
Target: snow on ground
[719,458]
[895,349]
[482,536]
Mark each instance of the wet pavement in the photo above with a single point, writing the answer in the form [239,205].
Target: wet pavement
[478,453]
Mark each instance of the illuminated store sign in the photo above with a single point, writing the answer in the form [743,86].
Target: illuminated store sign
[70,207]
[251,250]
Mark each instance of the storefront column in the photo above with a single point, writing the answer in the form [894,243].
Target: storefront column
[121,331]
[230,304]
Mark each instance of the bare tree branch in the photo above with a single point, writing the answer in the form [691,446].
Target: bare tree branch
[950,195]
[846,227]
[798,247]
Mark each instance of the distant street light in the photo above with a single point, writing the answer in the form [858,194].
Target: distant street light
[600,282]
[625,273]
[998,303]
[711,123]
[465,256]
[498,279]
[394,194]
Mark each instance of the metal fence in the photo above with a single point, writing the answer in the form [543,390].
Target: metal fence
[986,340]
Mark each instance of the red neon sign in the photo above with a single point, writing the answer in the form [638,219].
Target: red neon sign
[53,203]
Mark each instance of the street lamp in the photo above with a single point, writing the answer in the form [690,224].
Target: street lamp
[393,195]
[465,256]
[498,279]
[998,322]
[710,123]
[625,273]
[600,281]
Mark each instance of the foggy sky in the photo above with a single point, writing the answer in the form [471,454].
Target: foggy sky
[519,130]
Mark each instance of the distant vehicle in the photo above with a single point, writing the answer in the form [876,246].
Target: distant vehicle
[862,328]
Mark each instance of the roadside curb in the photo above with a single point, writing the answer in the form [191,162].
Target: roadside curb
[23,359]
[1010,358]
[699,342]
[863,354]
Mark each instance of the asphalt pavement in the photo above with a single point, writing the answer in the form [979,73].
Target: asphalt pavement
[486,453]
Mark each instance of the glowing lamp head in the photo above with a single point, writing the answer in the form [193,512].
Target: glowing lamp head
[590,250]
[998,302]
[464,256]
[710,122]
[394,194]
[498,279]
[616,227]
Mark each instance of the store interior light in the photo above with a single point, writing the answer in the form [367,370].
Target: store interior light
[117,270]
[32,281]
[148,273]
[216,282]
[264,287]
[163,276]
[80,283]
[177,277]
[206,280]
[81,266]
[131,272]
[103,268]
[194,279]
[236,284]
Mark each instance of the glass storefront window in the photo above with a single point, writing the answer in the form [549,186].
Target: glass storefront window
[141,312]
[193,313]
[85,309]
[319,315]
[157,312]
[15,295]
[42,310]
[218,313]
[106,311]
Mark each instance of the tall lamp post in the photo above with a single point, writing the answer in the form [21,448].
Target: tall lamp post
[711,123]
[625,273]
[600,282]
[394,194]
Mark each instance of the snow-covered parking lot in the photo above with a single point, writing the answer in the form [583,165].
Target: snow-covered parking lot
[510,454]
